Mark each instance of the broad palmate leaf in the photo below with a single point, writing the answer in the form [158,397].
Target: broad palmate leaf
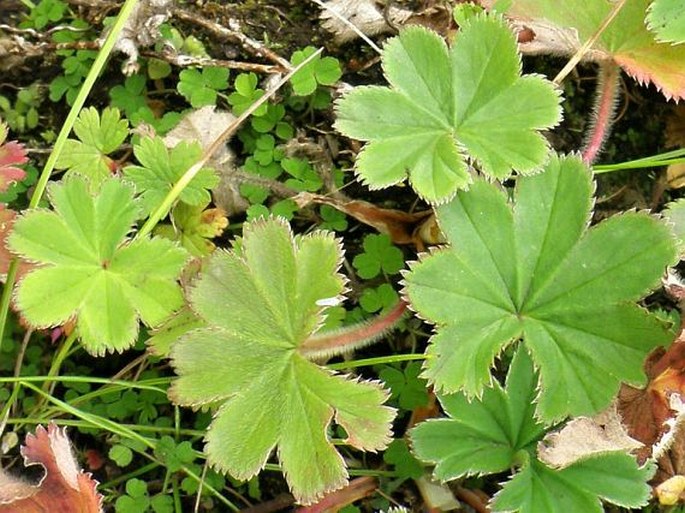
[533,270]
[442,101]
[499,431]
[261,302]
[89,271]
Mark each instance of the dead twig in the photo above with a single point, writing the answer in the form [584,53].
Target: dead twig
[188,60]
[233,33]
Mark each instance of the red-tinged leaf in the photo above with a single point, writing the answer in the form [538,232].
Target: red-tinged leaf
[65,488]
[562,28]
[7,217]
[12,154]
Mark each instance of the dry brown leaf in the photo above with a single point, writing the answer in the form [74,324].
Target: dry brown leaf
[653,415]
[203,125]
[366,15]
[65,488]
[645,411]
[402,227]
[583,437]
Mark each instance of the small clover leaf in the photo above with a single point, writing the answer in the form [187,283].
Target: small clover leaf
[265,151]
[45,12]
[200,87]
[121,455]
[161,125]
[98,136]
[129,97]
[375,299]
[407,387]
[162,167]
[499,431]
[321,70]
[246,93]
[270,120]
[379,255]
[535,271]
[89,272]
[162,503]
[174,456]
[444,101]
[332,219]
[158,69]
[262,303]
[136,499]
[76,68]
[304,177]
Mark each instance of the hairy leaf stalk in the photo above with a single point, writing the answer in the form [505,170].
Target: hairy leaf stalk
[345,340]
[603,111]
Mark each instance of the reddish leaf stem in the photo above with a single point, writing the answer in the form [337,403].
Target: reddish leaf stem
[333,343]
[357,489]
[603,112]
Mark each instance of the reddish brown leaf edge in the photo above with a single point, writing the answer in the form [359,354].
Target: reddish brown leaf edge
[64,487]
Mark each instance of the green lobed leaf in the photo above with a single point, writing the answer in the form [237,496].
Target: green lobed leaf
[161,168]
[667,19]
[483,436]
[88,270]
[499,431]
[533,270]
[261,303]
[613,477]
[443,101]
[98,136]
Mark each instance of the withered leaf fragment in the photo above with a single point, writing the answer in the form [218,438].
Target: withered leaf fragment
[64,487]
